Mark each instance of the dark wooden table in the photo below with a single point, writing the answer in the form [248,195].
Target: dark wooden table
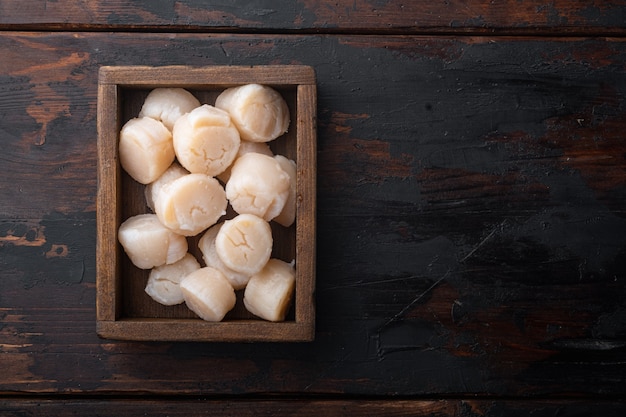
[471,209]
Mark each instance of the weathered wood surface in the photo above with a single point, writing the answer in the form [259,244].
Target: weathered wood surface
[562,16]
[310,408]
[471,222]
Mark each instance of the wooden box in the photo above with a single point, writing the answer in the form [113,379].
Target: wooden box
[124,310]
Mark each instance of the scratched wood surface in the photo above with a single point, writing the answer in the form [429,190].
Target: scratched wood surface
[313,407]
[375,16]
[471,223]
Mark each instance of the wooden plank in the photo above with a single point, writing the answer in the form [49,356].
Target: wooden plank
[109,211]
[561,16]
[306,203]
[307,407]
[215,76]
[470,219]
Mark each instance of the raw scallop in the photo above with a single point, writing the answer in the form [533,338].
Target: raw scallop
[258,185]
[164,281]
[268,293]
[205,140]
[208,293]
[244,243]
[145,149]
[168,104]
[148,243]
[191,204]
[259,112]
[206,244]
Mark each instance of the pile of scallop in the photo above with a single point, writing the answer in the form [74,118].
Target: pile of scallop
[195,159]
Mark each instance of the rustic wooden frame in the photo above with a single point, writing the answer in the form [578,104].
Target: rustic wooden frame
[119,86]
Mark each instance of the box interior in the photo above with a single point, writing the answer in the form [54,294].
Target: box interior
[133,301]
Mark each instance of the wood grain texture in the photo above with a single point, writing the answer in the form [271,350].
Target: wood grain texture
[307,407]
[561,16]
[470,220]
